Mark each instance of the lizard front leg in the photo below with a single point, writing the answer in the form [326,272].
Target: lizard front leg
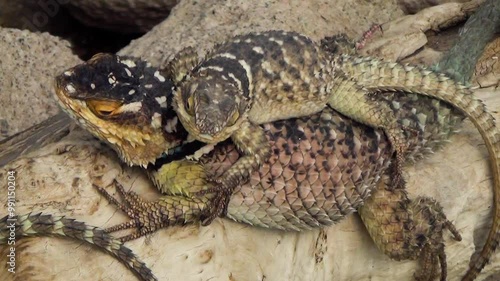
[408,229]
[178,177]
[255,148]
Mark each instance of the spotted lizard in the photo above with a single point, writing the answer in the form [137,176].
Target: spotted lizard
[266,76]
[322,167]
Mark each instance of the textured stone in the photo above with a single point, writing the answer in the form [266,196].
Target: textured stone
[414,6]
[121,16]
[28,66]
[203,23]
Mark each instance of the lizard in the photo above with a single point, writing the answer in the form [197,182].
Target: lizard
[262,77]
[265,76]
[13,227]
[354,156]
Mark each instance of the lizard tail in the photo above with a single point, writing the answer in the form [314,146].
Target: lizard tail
[45,224]
[379,75]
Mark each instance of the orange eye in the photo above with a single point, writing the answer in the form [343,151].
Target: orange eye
[104,108]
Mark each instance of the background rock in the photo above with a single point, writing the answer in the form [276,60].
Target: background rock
[28,66]
[414,6]
[129,16]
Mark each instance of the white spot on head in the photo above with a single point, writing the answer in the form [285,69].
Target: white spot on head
[111,78]
[248,40]
[159,76]
[92,85]
[171,126]
[162,101]
[267,67]
[156,120]
[216,68]
[128,72]
[248,71]
[129,63]
[279,42]
[68,73]
[235,80]
[70,88]
[226,55]
[258,50]
[132,107]
[131,92]
[148,86]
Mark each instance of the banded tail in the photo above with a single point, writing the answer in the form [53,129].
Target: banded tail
[45,224]
[378,75]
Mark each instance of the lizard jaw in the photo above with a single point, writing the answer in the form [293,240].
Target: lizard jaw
[135,146]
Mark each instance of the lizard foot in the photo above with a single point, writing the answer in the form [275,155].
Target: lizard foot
[430,221]
[218,207]
[148,216]
[407,229]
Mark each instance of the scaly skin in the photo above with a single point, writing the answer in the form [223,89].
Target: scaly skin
[258,78]
[322,168]
[379,75]
[45,224]
[262,77]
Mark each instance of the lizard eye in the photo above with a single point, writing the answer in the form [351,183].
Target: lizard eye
[189,104]
[103,108]
[234,117]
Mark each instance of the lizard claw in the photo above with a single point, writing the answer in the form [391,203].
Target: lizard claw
[148,216]
[136,209]
[218,207]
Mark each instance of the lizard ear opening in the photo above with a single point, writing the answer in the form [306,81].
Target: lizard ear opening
[104,108]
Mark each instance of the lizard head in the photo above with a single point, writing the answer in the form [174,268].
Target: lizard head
[124,102]
[210,107]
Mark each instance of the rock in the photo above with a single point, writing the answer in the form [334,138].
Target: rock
[33,15]
[487,72]
[404,36]
[130,16]
[414,6]
[28,66]
[203,23]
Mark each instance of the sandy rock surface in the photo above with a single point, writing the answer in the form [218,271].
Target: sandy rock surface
[203,23]
[414,6]
[28,66]
[121,16]
[59,178]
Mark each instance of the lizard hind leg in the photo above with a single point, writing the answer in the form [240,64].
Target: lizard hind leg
[149,216]
[406,229]
[354,101]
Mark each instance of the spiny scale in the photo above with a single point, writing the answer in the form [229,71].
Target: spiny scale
[380,75]
[46,224]
[262,77]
